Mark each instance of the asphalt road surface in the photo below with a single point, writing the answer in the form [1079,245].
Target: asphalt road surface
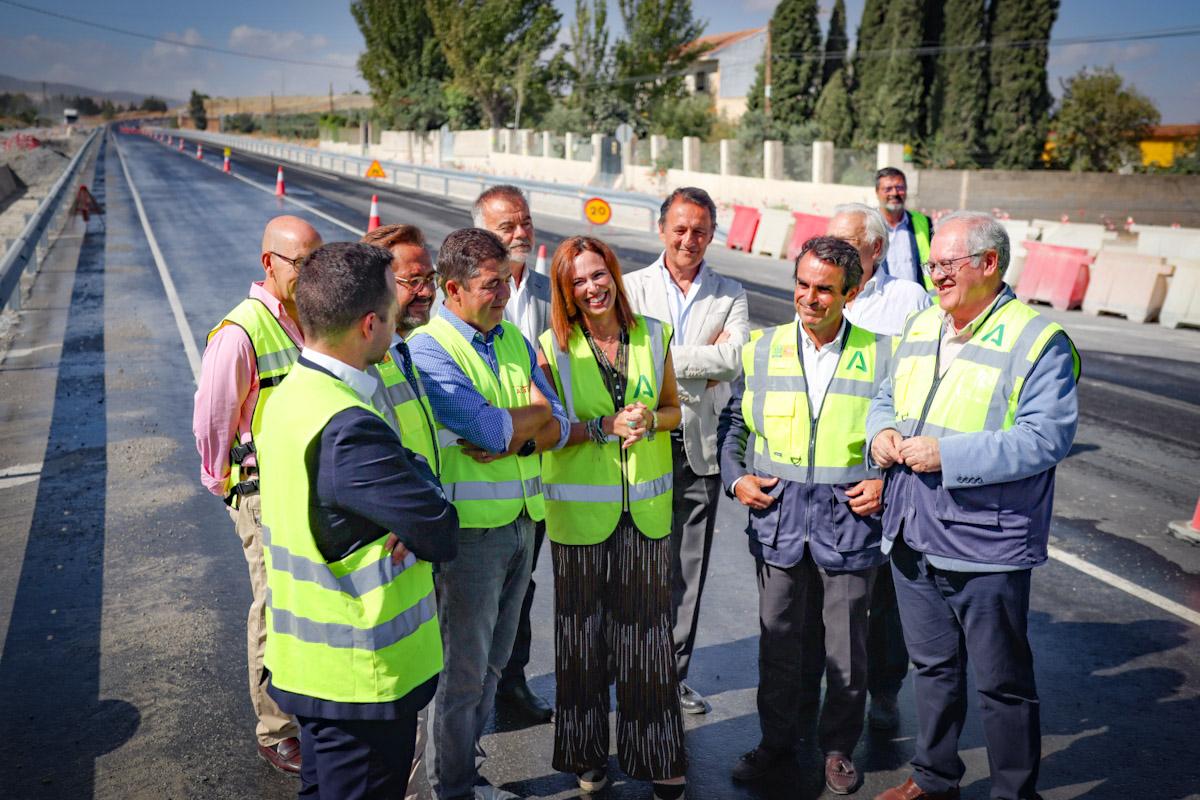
[123,593]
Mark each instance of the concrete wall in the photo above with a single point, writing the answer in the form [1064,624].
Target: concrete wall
[539,168]
[810,198]
[1084,197]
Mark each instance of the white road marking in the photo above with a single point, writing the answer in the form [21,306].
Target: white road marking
[189,344]
[21,352]
[19,475]
[1129,587]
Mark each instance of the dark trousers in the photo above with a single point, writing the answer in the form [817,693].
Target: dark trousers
[694,512]
[950,618]
[356,759]
[514,671]
[612,618]
[887,657]
[791,603]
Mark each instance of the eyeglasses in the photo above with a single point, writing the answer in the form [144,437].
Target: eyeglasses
[296,262]
[417,284]
[949,266]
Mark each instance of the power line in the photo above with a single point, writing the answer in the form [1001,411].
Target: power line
[175,42]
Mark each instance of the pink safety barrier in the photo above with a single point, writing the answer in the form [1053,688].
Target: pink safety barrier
[1054,274]
[805,227]
[741,232]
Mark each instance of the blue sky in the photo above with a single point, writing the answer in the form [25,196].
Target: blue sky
[40,48]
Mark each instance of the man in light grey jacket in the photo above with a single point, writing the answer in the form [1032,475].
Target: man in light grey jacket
[711,321]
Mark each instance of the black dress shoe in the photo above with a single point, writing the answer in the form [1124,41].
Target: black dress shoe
[691,701]
[521,698]
[758,763]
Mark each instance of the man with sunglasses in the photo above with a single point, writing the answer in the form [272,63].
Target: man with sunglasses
[978,408]
[248,354]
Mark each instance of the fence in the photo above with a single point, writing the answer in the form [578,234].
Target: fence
[27,252]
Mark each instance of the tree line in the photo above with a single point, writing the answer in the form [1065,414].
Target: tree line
[963,82]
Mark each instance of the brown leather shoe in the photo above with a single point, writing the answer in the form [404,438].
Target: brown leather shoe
[840,775]
[284,756]
[910,791]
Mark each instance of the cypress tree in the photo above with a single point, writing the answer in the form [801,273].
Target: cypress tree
[1019,98]
[795,68]
[897,113]
[958,96]
[836,43]
[834,115]
[868,64]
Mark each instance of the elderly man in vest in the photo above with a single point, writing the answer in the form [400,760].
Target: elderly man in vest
[793,452]
[504,210]
[977,410]
[351,524]
[494,412]
[248,354]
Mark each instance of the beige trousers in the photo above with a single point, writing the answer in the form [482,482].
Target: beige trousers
[273,725]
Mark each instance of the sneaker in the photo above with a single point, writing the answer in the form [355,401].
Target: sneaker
[593,780]
[884,714]
[758,763]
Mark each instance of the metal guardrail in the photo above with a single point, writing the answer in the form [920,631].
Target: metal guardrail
[442,181]
[27,252]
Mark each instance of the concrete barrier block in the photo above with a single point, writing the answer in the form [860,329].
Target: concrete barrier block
[1054,274]
[804,227]
[1129,284]
[1172,243]
[774,230]
[1088,235]
[743,227]
[1182,303]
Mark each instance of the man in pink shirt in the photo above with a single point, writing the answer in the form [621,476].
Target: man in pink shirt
[248,354]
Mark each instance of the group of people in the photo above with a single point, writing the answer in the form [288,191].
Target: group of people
[394,444]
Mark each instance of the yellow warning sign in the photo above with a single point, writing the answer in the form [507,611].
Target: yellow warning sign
[375,171]
[597,211]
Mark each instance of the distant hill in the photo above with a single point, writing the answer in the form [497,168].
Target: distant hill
[34,89]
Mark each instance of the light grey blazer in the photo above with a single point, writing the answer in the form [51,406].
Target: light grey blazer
[720,305]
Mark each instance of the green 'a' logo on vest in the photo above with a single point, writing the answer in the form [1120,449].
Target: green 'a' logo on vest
[858,362]
[643,385]
[996,335]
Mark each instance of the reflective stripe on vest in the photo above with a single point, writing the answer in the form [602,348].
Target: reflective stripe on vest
[493,494]
[274,355]
[786,440]
[922,231]
[980,389]
[411,408]
[357,630]
[587,485]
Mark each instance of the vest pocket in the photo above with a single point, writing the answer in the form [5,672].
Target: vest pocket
[851,532]
[764,525]
[975,505]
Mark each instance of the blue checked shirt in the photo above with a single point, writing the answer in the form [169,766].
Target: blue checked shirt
[455,401]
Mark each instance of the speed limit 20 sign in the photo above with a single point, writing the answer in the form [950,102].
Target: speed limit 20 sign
[597,211]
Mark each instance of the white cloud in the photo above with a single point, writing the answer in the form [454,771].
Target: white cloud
[249,39]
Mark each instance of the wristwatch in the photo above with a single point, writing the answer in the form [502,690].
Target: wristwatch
[527,448]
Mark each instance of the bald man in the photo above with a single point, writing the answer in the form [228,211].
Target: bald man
[249,352]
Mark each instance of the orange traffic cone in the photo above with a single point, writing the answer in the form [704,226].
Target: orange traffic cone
[200,152]
[279,190]
[181,144]
[226,167]
[1188,530]
[373,217]
[540,265]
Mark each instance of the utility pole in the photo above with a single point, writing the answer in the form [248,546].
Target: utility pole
[767,74]
[331,97]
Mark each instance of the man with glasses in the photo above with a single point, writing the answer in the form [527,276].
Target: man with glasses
[504,211]
[248,354]
[908,231]
[494,412]
[977,410]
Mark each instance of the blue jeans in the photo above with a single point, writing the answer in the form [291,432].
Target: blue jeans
[479,597]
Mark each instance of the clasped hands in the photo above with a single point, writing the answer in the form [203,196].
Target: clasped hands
[918,453]
[632,423]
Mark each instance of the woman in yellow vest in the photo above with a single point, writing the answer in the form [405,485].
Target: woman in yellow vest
[608,514]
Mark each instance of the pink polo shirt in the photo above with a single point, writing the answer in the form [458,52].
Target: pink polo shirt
[228,391]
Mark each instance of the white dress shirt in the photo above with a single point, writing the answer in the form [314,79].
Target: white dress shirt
[362,383]
[820,364]
[680,303]
[899,262]
[885,303]
[519,310]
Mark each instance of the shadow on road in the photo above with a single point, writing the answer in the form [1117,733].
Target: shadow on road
[50,669]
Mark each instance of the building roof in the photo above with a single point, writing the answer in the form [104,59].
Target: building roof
[1174,132]
[719,41]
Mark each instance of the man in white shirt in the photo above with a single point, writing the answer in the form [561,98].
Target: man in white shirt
[504,210]
[711,321]
[883,303]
